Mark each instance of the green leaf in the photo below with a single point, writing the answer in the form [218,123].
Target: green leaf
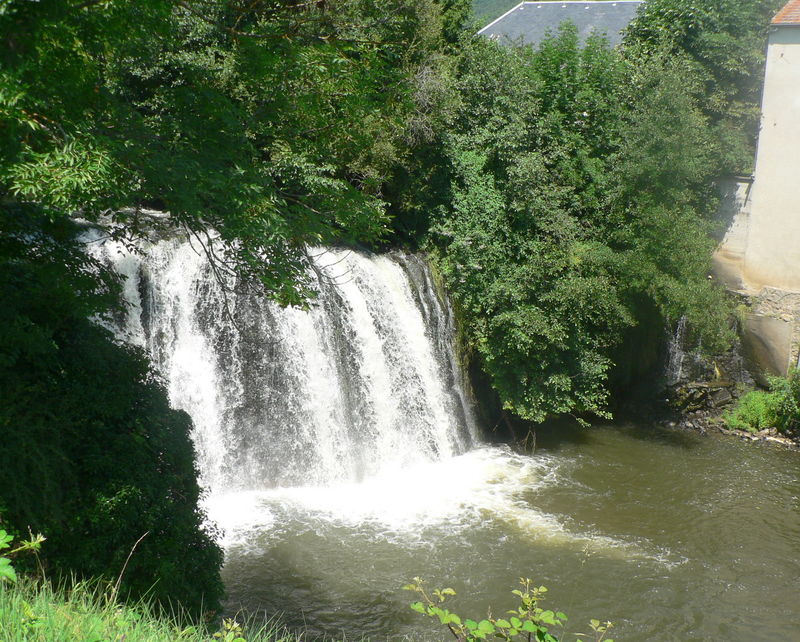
[418,606]
[503,624]
[485,626]
[548,617]
[561,616]
[6,570]
[471,624]
[516,622]
[5,539]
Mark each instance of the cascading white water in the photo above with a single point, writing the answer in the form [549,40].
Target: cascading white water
[676,353]
[364,382]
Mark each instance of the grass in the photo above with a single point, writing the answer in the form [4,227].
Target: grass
[36,611]
[756,410]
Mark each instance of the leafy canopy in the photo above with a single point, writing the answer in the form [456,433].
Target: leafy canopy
[272,123]
[579,195]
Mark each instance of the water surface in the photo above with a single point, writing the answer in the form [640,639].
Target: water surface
[670,535]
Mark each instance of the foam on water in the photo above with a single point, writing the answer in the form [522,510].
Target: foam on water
[488,485]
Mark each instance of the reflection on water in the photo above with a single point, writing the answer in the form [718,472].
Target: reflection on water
[669,534]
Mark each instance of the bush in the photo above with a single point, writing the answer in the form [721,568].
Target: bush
[528,621]
[787,393]
[755,411]
[93,455]
[777,408]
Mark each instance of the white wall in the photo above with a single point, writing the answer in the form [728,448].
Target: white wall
[772,255]
[734,214]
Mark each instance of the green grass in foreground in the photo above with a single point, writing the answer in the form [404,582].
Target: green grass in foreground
[34,611]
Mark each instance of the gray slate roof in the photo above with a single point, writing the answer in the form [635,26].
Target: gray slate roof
[530,22]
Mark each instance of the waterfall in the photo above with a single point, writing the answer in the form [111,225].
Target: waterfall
[364,382]
[676,353]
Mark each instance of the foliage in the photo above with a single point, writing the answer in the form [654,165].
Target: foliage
[84,613]
[33,545]
[787,394]
[777,408]
[578,197]
[528,621]
[722,42]
[754,411]
[93,454]
[273,123]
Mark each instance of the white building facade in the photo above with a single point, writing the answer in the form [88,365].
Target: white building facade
[760,255]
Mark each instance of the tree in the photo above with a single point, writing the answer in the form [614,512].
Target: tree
[93,455]
[274,124]
[723,42]
[578,203]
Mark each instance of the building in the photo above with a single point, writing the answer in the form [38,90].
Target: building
[760,255]
[530,22]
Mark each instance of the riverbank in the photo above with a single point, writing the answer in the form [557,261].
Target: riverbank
[707,420]
[699,408]
[704,423]
[34,610]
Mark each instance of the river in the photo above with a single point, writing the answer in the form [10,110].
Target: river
[670,535]
[341,458]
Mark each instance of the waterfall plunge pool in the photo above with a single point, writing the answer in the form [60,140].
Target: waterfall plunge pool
[670,535]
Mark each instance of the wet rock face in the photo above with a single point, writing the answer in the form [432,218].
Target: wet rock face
[700,388]
[695,381]
[702,395]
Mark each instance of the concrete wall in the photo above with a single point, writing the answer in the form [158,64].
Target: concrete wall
[772,254]
[759,255]
[734,214]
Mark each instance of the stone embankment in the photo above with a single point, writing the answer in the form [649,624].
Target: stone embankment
[699,405]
